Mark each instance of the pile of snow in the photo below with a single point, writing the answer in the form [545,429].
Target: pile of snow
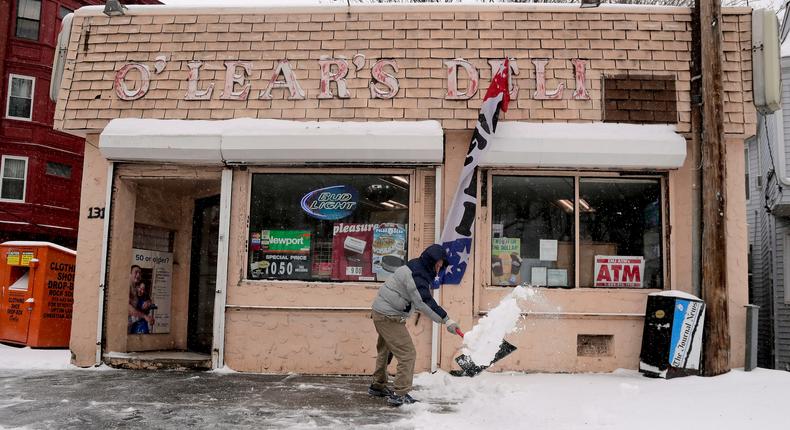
[28,358]
[621,400]
[482,342]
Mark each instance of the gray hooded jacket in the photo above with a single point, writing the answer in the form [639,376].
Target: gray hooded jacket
[410,287]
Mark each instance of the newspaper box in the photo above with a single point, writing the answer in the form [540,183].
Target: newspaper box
[36,293]
[672,337]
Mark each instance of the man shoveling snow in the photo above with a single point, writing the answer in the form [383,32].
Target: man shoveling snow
[408,288]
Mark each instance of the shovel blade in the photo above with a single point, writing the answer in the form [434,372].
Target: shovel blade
[469,368]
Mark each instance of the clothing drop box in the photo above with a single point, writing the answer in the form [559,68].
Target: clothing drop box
[36,293]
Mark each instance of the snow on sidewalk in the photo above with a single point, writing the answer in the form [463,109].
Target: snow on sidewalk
[623,400]
[34,359]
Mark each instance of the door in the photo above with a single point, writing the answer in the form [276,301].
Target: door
[203,274]
[17,305]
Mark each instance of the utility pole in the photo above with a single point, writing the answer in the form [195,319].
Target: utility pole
[716,339]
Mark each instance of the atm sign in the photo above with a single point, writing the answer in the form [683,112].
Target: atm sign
[619,271]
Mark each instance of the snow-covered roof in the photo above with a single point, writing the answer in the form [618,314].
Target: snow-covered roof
[248,140]
[340,6]
[31,243]
[590,145]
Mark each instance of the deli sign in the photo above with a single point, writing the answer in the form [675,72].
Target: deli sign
[613,271]
[133,80]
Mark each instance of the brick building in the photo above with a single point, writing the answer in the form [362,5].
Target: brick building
[41,168]
[266,168]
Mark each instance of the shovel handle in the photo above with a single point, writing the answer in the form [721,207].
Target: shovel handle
[459,332]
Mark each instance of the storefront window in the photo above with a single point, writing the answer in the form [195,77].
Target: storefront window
[328,227]
[620,231]
[532,231]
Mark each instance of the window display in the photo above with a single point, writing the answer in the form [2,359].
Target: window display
[533,231]
[620,233]
[328,227]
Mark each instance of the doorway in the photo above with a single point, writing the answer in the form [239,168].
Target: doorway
[203,274]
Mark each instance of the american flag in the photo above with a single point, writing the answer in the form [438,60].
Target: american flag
[459,225]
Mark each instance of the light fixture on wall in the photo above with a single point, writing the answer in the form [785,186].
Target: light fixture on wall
[114,8]
[590,3]
[584,206]
[567,206]
[401,179]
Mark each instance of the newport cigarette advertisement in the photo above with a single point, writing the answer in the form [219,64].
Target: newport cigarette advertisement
[280,254]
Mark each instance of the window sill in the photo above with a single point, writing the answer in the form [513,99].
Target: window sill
[583,289]
[20,118]
[271,283]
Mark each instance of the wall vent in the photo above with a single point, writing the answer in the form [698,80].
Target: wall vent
[594,345]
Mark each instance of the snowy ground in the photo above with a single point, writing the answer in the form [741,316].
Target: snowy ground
[39,359]
[620,400]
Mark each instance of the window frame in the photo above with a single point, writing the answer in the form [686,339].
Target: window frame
[24,178]
[785,267]
[415,206]
[484,223]
[17,18]
[8,97]
[747,170]
[61,8]
[65,178]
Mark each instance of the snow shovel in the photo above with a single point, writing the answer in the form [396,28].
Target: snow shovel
[469,368]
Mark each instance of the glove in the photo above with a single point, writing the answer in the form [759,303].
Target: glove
[452,326]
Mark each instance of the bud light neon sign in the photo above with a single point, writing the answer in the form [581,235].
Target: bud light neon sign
[330,203]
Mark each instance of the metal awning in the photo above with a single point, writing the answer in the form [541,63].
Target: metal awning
[586,145]
[269,141]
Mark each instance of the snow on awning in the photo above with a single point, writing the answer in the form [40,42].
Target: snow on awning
[249,140]
[591,145]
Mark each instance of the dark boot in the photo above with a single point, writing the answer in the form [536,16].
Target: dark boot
[398,400]
[377,391]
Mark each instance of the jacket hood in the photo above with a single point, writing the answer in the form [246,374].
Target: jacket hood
[430,256]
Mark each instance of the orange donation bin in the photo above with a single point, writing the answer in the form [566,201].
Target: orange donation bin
[36,293]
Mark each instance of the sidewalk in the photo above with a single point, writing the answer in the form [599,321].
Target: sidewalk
[39,389]
[99,399]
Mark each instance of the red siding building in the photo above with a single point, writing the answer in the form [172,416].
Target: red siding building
[40,168]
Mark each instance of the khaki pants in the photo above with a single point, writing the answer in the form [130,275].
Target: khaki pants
[393,337]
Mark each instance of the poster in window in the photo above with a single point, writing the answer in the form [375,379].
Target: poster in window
[352,252]
[389,249]
[506,261]
[613,271]
[150,292]
[283,254]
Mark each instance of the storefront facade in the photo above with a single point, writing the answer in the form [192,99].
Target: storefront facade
[266,169]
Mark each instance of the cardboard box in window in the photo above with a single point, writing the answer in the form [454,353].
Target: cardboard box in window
[587,250]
